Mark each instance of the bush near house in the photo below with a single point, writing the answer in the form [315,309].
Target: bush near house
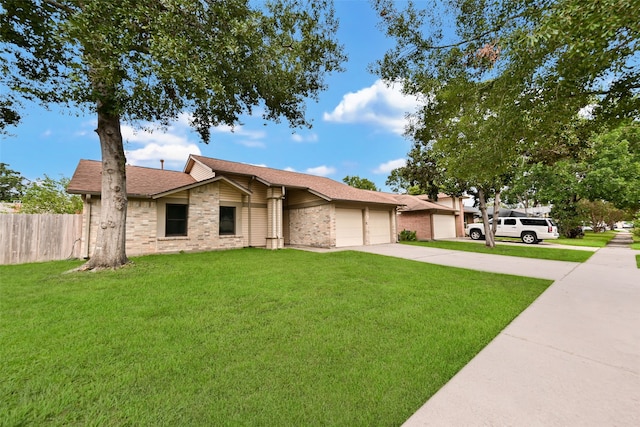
[407,236]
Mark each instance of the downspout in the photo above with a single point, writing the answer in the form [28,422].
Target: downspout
[433,231]
[249,208]
[281,222]
[87,227]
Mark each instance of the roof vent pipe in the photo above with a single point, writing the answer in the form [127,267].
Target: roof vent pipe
[162,164]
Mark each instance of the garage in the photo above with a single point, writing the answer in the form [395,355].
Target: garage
[349,227]
[379,227]
[444,226]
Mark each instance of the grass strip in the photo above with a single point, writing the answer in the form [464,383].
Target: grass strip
[590,239]
[243,337]
[524,251]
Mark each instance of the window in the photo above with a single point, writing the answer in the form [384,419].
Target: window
[227,220]
[510,221]
[532,221]
[176,220]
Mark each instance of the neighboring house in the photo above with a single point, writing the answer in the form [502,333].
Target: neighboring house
[431,220]
[217,204]
[470,214]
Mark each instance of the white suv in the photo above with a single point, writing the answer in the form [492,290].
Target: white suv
[530,230]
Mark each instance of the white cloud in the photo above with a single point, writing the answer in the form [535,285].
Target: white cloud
[379,104]
[312,137]
[387,167]
[250,138]
[174,155]
[158,136]
[239,130]
[148,147]
[321,170]
[290,169]
[251,143]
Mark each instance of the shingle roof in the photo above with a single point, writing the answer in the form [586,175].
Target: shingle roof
[146,182]
[141,181]
[417,203]
[326,187]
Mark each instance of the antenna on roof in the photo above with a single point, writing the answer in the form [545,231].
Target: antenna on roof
[162,164]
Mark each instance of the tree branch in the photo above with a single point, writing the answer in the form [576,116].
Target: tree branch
[59,6]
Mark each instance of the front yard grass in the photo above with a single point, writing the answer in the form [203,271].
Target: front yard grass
[243,337]
[591,239]
[524,251]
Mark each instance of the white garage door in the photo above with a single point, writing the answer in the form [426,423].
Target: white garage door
[444,226]
[349,230]
[379,227]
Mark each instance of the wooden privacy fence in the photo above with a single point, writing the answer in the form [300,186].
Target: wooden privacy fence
[39,237]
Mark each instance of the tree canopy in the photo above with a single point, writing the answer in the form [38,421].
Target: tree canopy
[48,195]
[361,183]
[606,175]
[151,61]
[11,184]
[507,83]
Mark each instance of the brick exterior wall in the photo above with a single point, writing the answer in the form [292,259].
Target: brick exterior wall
[311,226]
[143,229]
[142,226]
[418,221]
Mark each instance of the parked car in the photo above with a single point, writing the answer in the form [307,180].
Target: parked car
[529,230]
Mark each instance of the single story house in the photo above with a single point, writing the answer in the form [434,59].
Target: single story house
[431,220]
[217,204]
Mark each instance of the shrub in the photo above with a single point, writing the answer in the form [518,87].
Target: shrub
[636,226]
[407,236]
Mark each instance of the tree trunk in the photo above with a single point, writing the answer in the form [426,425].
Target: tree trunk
[111,233]
[488,232]
[496,212]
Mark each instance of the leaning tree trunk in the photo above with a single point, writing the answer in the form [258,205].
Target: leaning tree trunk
[488,231]
[110,250]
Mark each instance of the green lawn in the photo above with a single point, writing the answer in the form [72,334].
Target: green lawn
[244,337]
[636,243]
[591,239]
[525,251]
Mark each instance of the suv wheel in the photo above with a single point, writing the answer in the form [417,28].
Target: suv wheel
[475,234]
[529,237]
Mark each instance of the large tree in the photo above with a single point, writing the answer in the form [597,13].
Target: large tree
[133,61]
[504,80]
[607,173]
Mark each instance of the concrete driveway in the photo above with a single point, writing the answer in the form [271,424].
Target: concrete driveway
[572,358]
[543,269]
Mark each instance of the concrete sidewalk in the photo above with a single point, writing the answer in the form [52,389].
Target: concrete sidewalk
[571,359]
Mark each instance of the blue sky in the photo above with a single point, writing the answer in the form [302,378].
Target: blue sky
[357,126]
